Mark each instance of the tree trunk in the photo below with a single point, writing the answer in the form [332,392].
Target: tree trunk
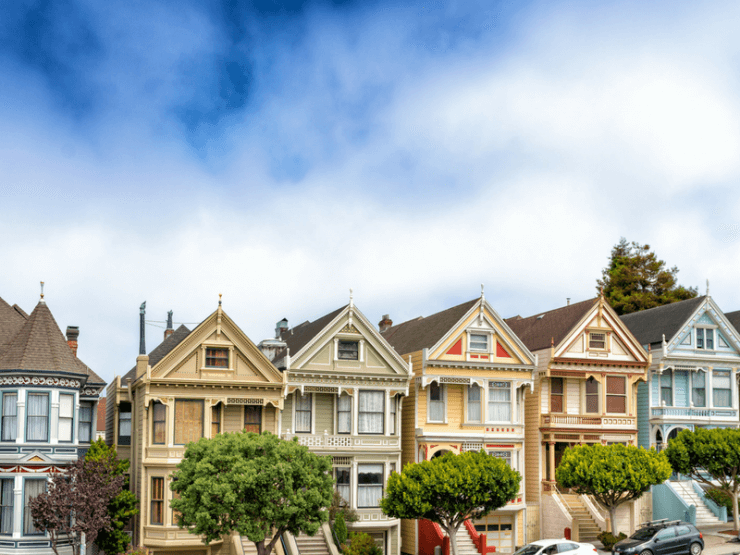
[735,515]
[613,519]
[262,549]
[452,533]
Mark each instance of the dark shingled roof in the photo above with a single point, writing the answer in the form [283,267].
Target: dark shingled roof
[648,326]
[162,350]
[40,345]
[296,338]
[734,318]
[12,319]
[423,333]
[539,331]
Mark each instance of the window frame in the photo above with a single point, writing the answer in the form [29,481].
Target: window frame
[155,422]
[80,421]
[211,357]
[592,340]
[352,351]
[217,411]
[442,399]
[560,394]
[153,500]
[485,336]
[3,416]
[347,471]
[729,377]
[708,336]
[9,508]
[666,389]
[587,394]
[341,411]
[27,519]
[703,388]
[393,414]
[202,419]
[622,395]
[382,483]
[495,385]
[473,402]
[122,439]
[71,419]
[48,416]
[261,417]
[310,411]
[360,412]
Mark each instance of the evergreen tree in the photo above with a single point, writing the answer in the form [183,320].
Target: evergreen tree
[636,279]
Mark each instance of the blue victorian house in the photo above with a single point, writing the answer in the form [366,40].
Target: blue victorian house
[48,412]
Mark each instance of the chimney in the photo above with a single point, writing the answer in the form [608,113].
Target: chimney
[169,331]
[385,323]
[142,361]
[72,333]
[567,301]
[280,327]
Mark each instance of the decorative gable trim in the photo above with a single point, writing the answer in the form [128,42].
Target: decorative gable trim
[699,316]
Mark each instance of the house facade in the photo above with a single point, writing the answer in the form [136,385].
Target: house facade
[48,408]
[344,397]
[589,367]
[194,384]
[470,373]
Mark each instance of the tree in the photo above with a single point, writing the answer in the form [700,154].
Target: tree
[613,474]
[636,279]
[259,486]
[451,489]
[75,505]
[709,456]
[121,509]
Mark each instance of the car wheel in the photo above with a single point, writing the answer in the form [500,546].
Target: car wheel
[646,552]
[695,549]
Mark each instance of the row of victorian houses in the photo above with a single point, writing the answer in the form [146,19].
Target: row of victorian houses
[373,399]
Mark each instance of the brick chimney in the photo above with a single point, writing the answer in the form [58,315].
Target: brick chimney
[72,333]
[385,323]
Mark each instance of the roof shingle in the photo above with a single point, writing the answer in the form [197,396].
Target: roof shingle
[12,319]
[734,318]
[649,326]
[162,350]
[539,331]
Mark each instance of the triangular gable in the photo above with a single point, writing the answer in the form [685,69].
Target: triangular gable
[707,314]
[36,457]
[246,362]
[502,346]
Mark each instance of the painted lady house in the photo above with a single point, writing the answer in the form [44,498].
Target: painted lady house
[48,408]
[470,373]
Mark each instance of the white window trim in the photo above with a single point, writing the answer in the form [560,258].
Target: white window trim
[512,396]
[443,393]
[351,414]
[714,339]
[598,399]
[607,341]
[313,412]
[480,401]
[356,476]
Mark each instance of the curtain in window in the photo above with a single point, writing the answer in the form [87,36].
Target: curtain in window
[698,388]
[474,403]
[303,413]
[369,485]
[38,417]
[499,402]
[157,511]
[6,506]
[721,391]
[436,403]
[394,408]
[10,417]
[666,387]
[188,421]
[371,411]
[344,414]
[31,488]
[65,417]
[343,482]
[85,422]
[592,396]
[159,417]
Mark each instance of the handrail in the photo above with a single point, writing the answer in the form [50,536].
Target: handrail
[594,507]
[719,512]
[561,498]
[479,540]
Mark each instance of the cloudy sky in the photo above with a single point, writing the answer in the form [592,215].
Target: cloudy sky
[282,153]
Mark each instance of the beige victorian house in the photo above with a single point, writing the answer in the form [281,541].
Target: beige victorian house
[194,384]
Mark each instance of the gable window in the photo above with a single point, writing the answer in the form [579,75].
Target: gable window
[698,389]
[666,388]
[66,420]
[343,482]
[592,396]
[303,413]
[157,503]
[348,350]
[253,419]
[394,412]
[556,394]
[499,402]
[721,388]
[705,338]
[6,506]
[371,412]
[217,358]
[436,403]
[344,414]
[597,340]
[10,417]
[478,342]
[32,487]
[474,413]
[124,424]
[216,420]
[616,394]
[86,417]
[188,421]
[369,485]
[37,427]
[159,419]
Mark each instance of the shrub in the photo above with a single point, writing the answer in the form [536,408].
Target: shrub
[721,497]
[608,539]
[361,544]
[137,551]
[340,529]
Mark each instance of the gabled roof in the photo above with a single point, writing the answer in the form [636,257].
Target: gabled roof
[297,337]
[423,333]
[649,326]
[12,319]
[162,350]
[40,345]
[541,330]
[734,318]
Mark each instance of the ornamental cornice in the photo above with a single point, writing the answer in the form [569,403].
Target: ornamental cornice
[40,381]
[426,379]
[472,365]
[301,378]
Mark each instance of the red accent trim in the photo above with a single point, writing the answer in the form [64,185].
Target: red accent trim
[501,352]
[456,349]
[498,446]
[479,540]
[430,536]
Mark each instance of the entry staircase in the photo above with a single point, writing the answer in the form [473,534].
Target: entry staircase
[312,545]
[587,527]
[465,545]
[704,516]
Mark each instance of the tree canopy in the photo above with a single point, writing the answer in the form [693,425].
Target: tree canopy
[707,456]
[451,489]
[259,486]
[636,279]
[613,474]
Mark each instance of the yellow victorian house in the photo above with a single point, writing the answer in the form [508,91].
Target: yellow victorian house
[194,384]
[470,373]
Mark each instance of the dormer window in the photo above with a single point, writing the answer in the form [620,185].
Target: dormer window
[597,340]
[217,358]
[705,338]
[348,350]
[478,342]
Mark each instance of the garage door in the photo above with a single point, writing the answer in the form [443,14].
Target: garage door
[499,531]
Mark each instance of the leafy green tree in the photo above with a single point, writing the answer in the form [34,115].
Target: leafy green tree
[451,489]
[709,456]
[361,543]
[613,474]
[259,486]
[121,509]
[636,279]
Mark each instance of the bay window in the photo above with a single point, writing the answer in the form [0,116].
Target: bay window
[369,485]
[721,388]
[303,413]
[666,387]
[6,506]
[253,419]
[85,425]
[474,413]
[344,414]
[499,402]
[556,394]
[188,421]
[157,501]
[616,394]
[698,389]
[66,418]
[10,417]
[37,422]
[159,419]
[371,412]
[32,487]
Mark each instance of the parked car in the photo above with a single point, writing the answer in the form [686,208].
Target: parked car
[662,537]
[553,547]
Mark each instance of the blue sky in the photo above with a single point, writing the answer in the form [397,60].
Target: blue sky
[281,153]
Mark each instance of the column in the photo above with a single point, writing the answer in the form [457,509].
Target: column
[54,417]
[18,507]
[355,410]
[551,454]
[353,485]
[21,431]
[709,390]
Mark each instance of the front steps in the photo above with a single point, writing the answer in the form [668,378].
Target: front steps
[704,516]
[465,545]
[587,527]
[312,545]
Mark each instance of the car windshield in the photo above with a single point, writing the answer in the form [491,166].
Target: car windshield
[643,534]
[529,549]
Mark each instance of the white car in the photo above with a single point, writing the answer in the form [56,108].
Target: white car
[554,547]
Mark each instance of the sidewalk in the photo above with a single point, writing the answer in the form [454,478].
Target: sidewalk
[719,544]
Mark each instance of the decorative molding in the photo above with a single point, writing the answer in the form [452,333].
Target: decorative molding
[24,469]
[244,401]
[40,381]
[91,391]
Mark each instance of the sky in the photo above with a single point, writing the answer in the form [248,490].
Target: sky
[283,153]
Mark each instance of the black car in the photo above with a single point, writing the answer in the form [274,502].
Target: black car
[662,538]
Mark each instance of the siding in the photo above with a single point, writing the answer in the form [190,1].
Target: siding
[643,416]
[532,441]
[545,397]
[408,445]
[324,418]
[287,414]
[655,389]
[681,388]
[270,419]
[233,418]
[110,413]
[573,395]
[394,540]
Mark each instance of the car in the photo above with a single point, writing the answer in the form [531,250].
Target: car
[662,537]
[553,547]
